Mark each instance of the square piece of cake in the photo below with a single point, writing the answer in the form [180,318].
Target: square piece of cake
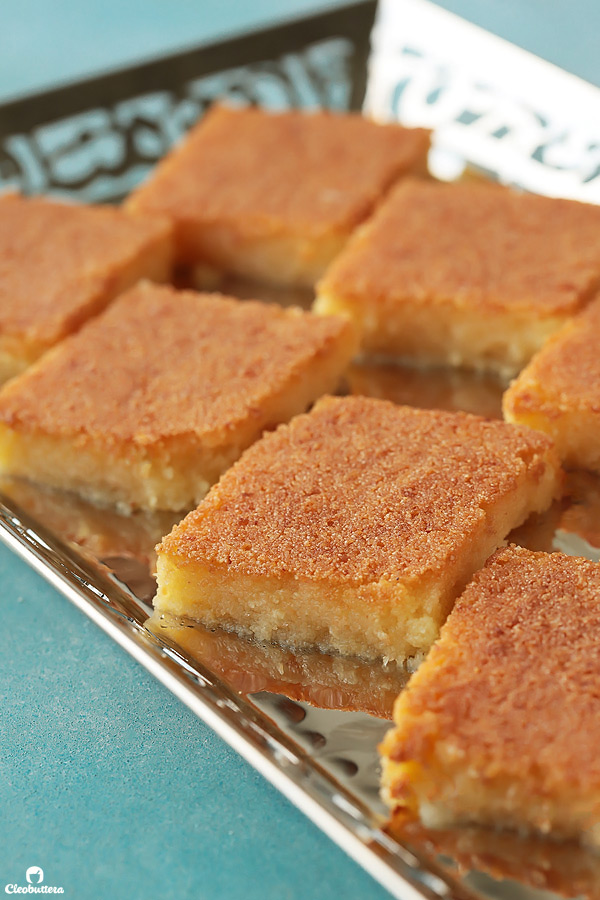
[354,527]
[465,274]
[501,724]
[60,264]
[149,403]
[274,196]
[559,391]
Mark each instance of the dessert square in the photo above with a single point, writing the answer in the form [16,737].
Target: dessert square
[149,403]
[465,274]
[559,391]
[61,264]
[274,196]
[500,725]
[354,528]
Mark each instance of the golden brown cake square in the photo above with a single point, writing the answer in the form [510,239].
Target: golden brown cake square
[60,264]
[274,196]
[149,403]
[501,724]
[559,391]
[354,527]
[465,274]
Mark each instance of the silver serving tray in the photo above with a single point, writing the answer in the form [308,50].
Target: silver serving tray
[308,722]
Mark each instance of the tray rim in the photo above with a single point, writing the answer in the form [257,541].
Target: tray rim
[29,110]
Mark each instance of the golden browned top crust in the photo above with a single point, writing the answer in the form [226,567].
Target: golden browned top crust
[359,490]
[161,363]
[566,371]
[56,259]
[292,171]
[473,245]
[512,683]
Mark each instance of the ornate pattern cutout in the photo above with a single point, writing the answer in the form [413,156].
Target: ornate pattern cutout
[102,153]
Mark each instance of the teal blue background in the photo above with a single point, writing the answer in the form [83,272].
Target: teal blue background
[44,42]
[106,781]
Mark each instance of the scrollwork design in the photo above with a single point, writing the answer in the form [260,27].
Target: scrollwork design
[101,153]
[480,123]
